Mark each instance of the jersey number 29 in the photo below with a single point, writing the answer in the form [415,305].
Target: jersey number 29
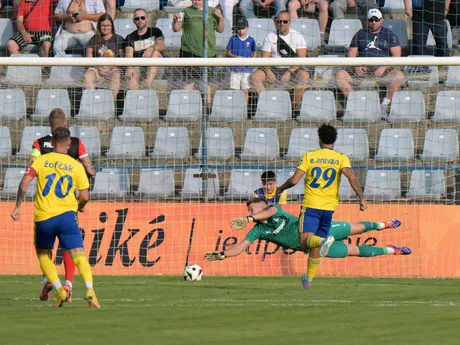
[328,176]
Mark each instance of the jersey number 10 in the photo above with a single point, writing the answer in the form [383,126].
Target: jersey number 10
[58,188]
[328,175]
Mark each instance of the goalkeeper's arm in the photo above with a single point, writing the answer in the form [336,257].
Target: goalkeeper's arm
[235,250]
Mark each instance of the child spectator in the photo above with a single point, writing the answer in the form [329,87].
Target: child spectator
[268,191]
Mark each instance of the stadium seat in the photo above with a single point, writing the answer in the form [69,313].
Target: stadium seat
[294,193]
[13,177]
[29,135]
[345,190]
[382,185]
[148,5]
[399,28]
[353,142]
[243,183]
[309,28]
[140,105]
[440,145]
[5,142]
[341,34]
[90,137]
[447,107]
[110,183]
[96,105]
[453,76]
[259,29]
[273,106]
[427,185]
[171,143]
[222,38]
[12,105]
[127,142]
[260,144]
[66,76]
[301,141]
[6,31]
[23,75]
[155,184]
[421,76]
[47,100]
[396,144]
[184,106]
[124,26]
[229,105]
[193,185]
[220,144]
[172,39]
[407,106]
[362,107]
[317,106]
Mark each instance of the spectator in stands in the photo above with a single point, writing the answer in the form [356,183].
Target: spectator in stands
[268,191]
[241,45]
[286,42]
[299,8]
[77,20]
[228,7]
[145,42]
[106,43]
[340,7]
[376,41]
[254,8]
[34,26]
[191,22]
[428,15]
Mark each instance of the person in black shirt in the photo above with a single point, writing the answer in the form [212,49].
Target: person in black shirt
[376,41]
[144,42]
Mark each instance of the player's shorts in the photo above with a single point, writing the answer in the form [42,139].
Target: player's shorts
[315,221]
[239,80]
[65,227]
[340,230]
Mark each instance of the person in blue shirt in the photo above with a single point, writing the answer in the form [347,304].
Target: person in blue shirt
[375,41]
[241,46]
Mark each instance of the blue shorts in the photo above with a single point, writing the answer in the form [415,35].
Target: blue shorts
[315,221]
[65,227]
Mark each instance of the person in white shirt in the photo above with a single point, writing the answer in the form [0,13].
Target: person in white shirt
[286,42]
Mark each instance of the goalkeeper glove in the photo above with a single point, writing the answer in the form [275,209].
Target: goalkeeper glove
[214,256]
[240,223]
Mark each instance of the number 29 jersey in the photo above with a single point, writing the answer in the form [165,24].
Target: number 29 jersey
[58,175]
[323,168]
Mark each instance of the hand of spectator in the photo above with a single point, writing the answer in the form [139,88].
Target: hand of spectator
[218,13]
[129,72]
[70,18]
[81,17]
[285,77]
[304,2]
[27,37]
[409,12]
[176,16]
[351,3]
[379,72]
[360,71]
[271,78]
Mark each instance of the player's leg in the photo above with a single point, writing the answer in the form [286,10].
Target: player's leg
[341,250]
[362,227]
[69,267]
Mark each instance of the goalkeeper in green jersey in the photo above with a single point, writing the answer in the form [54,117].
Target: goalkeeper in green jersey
[280,227]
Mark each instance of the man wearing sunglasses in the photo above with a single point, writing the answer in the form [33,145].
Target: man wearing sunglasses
[145,42]
[375,41]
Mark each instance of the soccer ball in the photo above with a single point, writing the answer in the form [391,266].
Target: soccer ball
[193,272]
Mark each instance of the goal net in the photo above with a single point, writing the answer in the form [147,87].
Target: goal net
[177,159]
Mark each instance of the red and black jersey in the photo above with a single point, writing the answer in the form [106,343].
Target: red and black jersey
[77,149]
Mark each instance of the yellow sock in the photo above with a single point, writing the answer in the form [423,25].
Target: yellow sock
[312,267]
[84,268]
[49,270]
[314,242]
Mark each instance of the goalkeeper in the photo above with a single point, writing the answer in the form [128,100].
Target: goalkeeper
[280,227]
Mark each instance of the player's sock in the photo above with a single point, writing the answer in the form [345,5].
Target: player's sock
[84,268]
[69,267]
[369,251]
[368,226]
[312,267]
[314,241]
[48,267]
[45,280]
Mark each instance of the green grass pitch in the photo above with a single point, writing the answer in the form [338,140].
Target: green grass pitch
[235,310]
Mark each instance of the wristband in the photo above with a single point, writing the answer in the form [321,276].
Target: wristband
[251,217]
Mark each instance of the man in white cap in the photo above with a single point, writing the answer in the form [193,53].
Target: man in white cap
[375,41]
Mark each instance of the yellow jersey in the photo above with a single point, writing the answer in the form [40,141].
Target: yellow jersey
[323,168]
[271,198]
[58,176]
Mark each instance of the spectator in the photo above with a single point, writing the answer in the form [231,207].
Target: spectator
[376,41]
[34,26]
[191,21]
[145,42]
[228,7]
[298,8]
[241,45]
[286,42]
[340,7]
[268,191]
[252,8]
[77,20]
[428,15]
[106,43]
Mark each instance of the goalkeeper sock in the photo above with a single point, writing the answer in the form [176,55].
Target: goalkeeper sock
[368,251]
[84,268]
[314,241]
[368,226]
[312,267]
[49,269]
[69,266]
